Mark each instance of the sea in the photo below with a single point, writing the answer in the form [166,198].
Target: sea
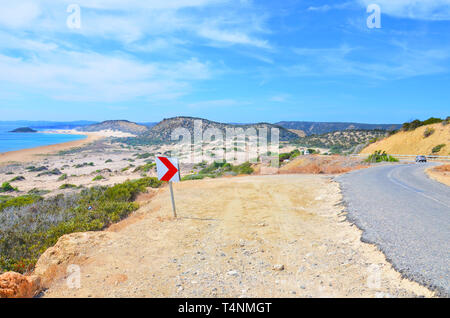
[17,141]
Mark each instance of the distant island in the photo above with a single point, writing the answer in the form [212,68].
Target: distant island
[23,130]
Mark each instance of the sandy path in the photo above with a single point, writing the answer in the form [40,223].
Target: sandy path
[27,155]
[229,235]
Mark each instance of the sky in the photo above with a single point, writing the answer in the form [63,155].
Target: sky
[224,60]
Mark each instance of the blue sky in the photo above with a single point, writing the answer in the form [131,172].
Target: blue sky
[225,60]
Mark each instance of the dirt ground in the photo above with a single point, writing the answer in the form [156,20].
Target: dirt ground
[260,236]
[440,174]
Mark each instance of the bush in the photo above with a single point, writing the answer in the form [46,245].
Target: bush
[145,168]
[18,178]
[50,173]
[98,178]
[379,156]
[67,186]
[62,177]
[25,234]
[417,123]
[437,148]
[428,132]
[7,187]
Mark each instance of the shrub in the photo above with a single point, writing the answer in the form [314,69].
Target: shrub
[50,173]
[108,161]
[244,168]
[25,234]
[84,164]
[67,186]
[437,148]
[7,187]
[428,132]
[145,168]
[99,177]
[37,192]
[18,178]
[63,177]
[379,156]
[144,155]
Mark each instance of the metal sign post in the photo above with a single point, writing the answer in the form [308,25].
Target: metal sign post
[173,200]
[168,170]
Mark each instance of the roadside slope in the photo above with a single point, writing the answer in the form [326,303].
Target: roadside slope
[230,234]
[414,142]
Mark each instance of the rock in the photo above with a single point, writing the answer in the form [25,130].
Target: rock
[15,285]
[241,243]
[232,273]
[68,250]
[278,267]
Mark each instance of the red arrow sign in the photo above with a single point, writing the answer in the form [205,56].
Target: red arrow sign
[172,169]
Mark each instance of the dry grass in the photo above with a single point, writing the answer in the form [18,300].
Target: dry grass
[444,168]
[322,165]
[440,174]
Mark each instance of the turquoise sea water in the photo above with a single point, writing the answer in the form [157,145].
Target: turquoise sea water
[17,141]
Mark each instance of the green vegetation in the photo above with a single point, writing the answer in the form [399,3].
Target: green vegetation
[145,168]
[289,156]
[37,192]
[63,177]
[341,141]
[379,156]
[437,148]
[84,164]
[18,178]
[144,155]
[7,187]
[50,173]
[99,177]
[25,234]
[6,202]
[36,169]
[217,169]
[108,161]
[409,126]
[67,186]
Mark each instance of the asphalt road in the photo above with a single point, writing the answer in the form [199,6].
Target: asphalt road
[407,215]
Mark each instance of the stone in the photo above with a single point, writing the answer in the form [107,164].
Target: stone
[15,285]
[278,267]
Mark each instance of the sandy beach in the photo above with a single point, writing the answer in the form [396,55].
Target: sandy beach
[27,155]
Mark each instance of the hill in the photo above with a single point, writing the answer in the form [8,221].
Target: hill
[162,131]
[116,125]
[23,130]
[340,141]
[318,128]
[424,140]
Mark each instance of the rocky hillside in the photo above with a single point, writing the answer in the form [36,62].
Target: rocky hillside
[342,140]
[425,140]
[318,128]
[116,125]
[164,129]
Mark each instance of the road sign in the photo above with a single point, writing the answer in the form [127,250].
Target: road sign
[167,169]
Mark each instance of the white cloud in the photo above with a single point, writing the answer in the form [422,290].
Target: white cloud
[402,62]
[93,77]
[18,14]
[414,9]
